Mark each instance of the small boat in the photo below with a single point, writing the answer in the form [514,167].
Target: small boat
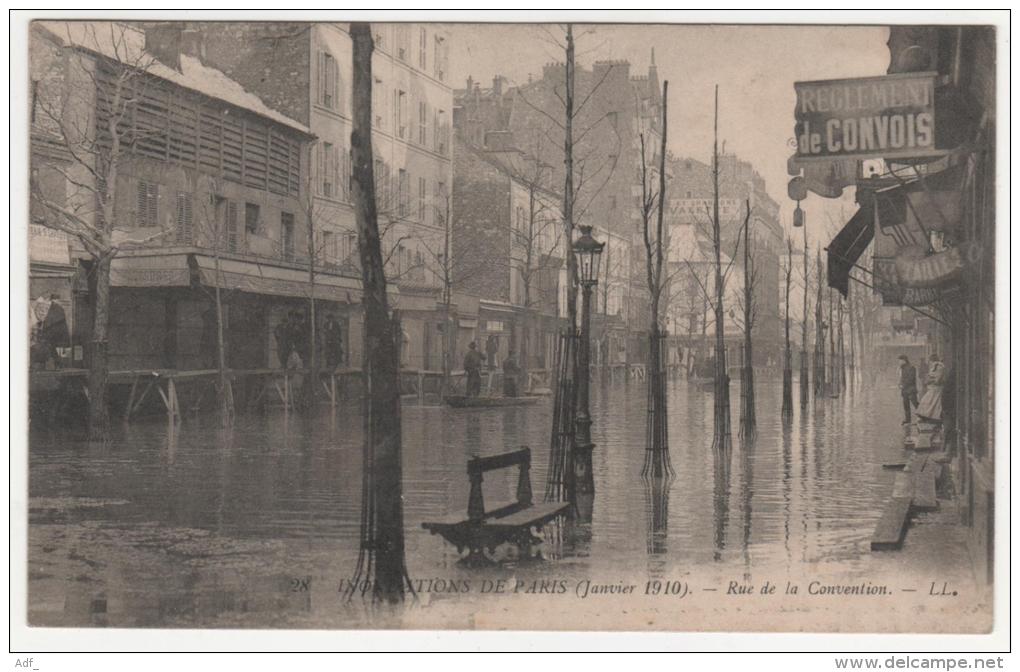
[460,401]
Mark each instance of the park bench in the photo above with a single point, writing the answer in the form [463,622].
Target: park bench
[511,522]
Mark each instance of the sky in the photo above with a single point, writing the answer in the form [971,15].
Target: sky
[754,66]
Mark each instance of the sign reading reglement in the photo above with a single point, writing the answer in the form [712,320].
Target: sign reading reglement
[873,117]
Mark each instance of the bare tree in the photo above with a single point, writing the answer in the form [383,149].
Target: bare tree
[656,244]
[787,351]
[382,523]
[721,412]
[96,135]
[748,305]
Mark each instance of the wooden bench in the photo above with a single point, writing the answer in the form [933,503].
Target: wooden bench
[510,522]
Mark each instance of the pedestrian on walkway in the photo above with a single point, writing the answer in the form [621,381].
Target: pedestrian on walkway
[283,343]
[930,407]
[473,369]
[299,336]
[908,387]
[332,342]
[510,372]
[491,348]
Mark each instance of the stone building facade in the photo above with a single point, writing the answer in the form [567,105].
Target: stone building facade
[209,192]
[304,71]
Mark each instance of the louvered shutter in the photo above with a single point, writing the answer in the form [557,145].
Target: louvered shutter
[232,234]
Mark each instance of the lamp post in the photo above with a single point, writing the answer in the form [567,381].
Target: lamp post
[588,252]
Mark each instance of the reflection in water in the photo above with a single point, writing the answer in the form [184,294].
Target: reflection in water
[657,493]
[198,525]
[722,458]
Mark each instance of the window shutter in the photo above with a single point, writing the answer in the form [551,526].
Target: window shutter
[232,238]
[322,77]
[335,168]
[142,206]
[185,229]
[336,85]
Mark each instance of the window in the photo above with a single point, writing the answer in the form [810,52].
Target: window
[329,169]
[403,187]
[350,246]
[440,131]
[185,221]
[329,81]
[287,235]
[612,202]
[423,122]
[328,252]
[251,218]
[232,234]
[403,42]
[422,47]
[400,112]
[378,103]
[421,199]
[148,198]
[439,58]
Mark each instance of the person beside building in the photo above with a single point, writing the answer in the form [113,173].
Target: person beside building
[332,342]
[929,409]
[491,348]
[55,330]
[473,369]
[510,373]
[283,343]
[299,336]
[908,387]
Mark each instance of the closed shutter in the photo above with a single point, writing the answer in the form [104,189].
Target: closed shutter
[147,206]
[185,226]
[233,237]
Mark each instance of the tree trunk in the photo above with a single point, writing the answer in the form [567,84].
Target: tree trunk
[748,421]
[721,407]
[568,190]
[787,354]
[804,369]
[99,368]
[383,441]
[226,398]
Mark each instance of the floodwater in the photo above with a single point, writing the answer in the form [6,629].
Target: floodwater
[259,526]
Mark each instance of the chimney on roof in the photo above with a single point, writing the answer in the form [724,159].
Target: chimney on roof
[163,41]
[497,85]
[193,43]
[470,83]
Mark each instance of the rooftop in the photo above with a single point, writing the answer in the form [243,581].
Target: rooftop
[126,45]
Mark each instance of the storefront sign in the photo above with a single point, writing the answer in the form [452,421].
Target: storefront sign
[873,117]
[915,268]
[47,245]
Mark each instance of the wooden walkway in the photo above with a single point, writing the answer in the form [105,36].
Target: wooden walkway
[913,490]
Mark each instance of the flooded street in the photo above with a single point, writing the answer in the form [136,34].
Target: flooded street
[259,526]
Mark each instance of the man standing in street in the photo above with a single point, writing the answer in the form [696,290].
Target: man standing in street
[473,369]
[908,387]
[332,341]
[510,372]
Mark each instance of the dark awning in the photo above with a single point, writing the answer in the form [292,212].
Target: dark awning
[848,246]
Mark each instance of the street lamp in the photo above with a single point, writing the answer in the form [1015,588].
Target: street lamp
[588,252]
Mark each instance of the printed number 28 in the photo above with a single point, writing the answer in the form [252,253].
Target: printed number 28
[300,585]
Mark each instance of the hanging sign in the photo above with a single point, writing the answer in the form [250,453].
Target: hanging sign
[892,116]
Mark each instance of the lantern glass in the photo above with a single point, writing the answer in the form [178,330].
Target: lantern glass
[589,254]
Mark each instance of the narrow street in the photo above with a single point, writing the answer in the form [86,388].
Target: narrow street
[259,526]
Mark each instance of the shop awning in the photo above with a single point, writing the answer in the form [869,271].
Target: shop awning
[848,246]
[259,278]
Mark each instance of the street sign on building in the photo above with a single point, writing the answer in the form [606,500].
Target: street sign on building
[892,116]
[47,245]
